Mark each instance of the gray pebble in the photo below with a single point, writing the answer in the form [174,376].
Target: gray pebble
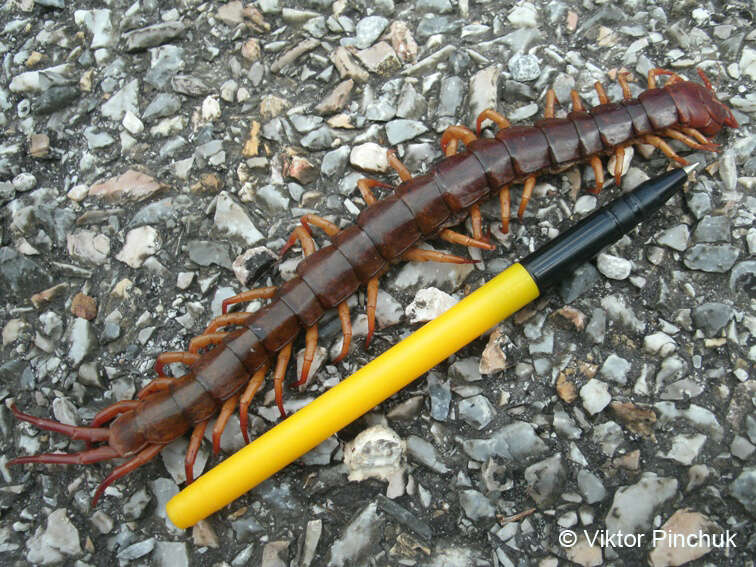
[743,489]
[545,480]
[431,25]
[712,229]
[711,257]
[477,411]
[524,67]
[711,317]
[590,486]
[578,282]
[163,105]
[451,94]
[335,161]
[675,237]
[475,505]
[615,369]
[440,396]
[55,98]
[152,36]
[401,130]
[699,203]
[368,30]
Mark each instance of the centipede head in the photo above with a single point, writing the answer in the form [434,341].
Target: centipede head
[699,108]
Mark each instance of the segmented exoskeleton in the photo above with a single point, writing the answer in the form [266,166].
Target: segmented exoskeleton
[218,380]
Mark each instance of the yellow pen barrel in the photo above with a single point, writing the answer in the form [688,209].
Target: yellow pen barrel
[354,396]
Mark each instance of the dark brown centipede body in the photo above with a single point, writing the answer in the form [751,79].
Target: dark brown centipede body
[386,231]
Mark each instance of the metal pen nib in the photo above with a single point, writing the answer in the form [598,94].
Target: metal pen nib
[688,169]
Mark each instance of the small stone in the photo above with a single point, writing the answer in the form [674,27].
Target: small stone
[476,411]
[524,67]
[380,58]
[660,344]
[615,369]
[401,130]
[595,395]
[711,317]
[251,50]
[590,486]
[231,219]
[377,452]
[743,489]
[363,532]
[712,229]
[131,186]
[140,243]
[675,237]
[152,36]
[39,146]
[475,505]
[336,99]
[124,100]
[711,257]
[483,91]
[88,246]
[370,157]
[368,30]
[634,506]
[302,170]
[614,267]
[523,16]
[685,448]
[545,480]
[578,282]
[428,304]
[683,525]
[402,41]
[84,306]
[425,454]
[585,204]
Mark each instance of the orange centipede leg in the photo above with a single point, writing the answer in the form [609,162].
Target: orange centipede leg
[346,330]
[366,185]
[577,103]
[505,204]
[110,412]
[191,451]
[603,99]
[490,114]
[249,295]
[198,343]
[657,142]
[246,398]
[422,255]
[278,376]
[157,385]
[164,358]
[311,345]
[372,302]
[549,104]
[619,159]
[224,320]
[622,80]
[143,457]
[457,238]
[598,173]
[527,191]
[397,165]
[323,224]
[220,424]
[458,133]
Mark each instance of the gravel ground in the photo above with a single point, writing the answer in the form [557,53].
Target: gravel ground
[155,156]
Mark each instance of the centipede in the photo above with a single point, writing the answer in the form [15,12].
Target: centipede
[229,362]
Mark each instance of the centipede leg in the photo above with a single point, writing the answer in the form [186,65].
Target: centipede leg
[164,358]
[476,220]
[598,173]
[198,433]
[157,385]
[249,295]
[653,73]
[527,192]
[278,376]
[688,141]
[144,456]
[366,185]
[198,343]
[657,142]
[619,158]
[346,330]
[459,134]
[622,80]
[110,412]
[549,104]
[490,114]
[422,255]
[698,136]
[457,238]
[397,165]
[226,320]
[311,345]
[302,234]
[603,99]
[220,424]
[372,302]
[89,434]
[246,399]
[505,204]
[323,224]
[577,103]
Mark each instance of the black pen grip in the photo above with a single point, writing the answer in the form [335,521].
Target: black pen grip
[605,226]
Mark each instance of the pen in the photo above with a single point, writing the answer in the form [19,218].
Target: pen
[506,293]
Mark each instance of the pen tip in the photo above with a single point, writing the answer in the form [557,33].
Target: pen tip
[688,169]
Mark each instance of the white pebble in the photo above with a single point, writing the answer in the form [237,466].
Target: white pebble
[614,267]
